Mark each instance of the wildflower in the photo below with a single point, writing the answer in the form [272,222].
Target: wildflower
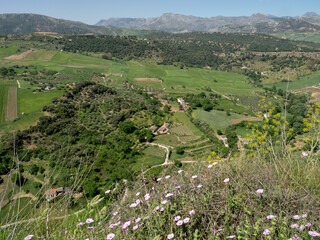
[133,205]
[81,224]
[66,231]
[295,237]
[138,201]
[110,236]
[115,213]
[138,193]
[232,236]
[296,217]
[226,180]
[29,237]
[164,202]
[147,196]
[178,187]
[266,232]
[194,176]
[108,191]
[192,212]
[199,186]
[180,171]
[186,220]
[168,176]
[135,227]
[112,226]
[161,209]
[126,224]
[118,223]
[89,220]
[302,227]
[157,208]
[170,236]
[304,215]
[91,227]
[210,166]
[314,234]
[308,224]
[259,191]
[159,179]
[294,225]
[269,217]
[179,223]
[177,218]
[147,217]
[169,195]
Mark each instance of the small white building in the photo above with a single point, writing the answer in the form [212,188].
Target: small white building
[182,102]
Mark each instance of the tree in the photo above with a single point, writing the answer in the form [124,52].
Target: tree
[127,126]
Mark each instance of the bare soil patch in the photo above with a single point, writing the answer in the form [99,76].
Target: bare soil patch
[255,119]
[155,80]
[19,56]
[12,104]
[79,66]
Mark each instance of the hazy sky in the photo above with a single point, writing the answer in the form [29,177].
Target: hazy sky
[91,11]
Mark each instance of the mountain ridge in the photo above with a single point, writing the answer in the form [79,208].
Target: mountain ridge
[178,23]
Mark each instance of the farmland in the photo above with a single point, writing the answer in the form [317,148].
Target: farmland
[5,85]
[12,111]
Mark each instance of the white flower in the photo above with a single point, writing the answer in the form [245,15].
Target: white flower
[270,217]
[89,220]
[226,180]
[138,193]
[108,191]
[177,218]
[169,195]
[168,176]
[180,171]
[186,220]
[259,191]
[194,176]
[192,212]
[133,205]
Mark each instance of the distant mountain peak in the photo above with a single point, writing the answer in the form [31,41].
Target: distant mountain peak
[310,14]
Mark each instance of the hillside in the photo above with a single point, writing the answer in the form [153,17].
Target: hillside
[29,23]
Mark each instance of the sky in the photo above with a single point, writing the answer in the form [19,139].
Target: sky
[91,11]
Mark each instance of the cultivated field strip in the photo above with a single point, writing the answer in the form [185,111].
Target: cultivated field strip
[12,105]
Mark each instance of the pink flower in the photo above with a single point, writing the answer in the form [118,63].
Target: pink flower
[192,212]
[135,227]
[308,224]
[29,237]
[194,176]
[147,196]
[269,217]
[199,186]
[314,234]
[157,208]
[186,220]
[226,180]
[294,226]
[126,224]
[304,215]
[110,236]
[159,179]
[169,195]
[177,218]
[302,227]
[179,223]
[178,187]
[161,209]
[170,236]
[81,224]
[138,193]
[266,232]
[115,213]
[89,220]
[133,205]
[138,220]
[296,217]
[259,191]
[108,191]
[164,202]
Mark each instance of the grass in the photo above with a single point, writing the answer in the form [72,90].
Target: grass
[302,82]
[4,86]
[216,119]
[29,102]
[309,37]
[6,51]
[183,118]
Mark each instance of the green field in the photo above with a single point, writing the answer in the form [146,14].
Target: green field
[309,37]
[4,86]
[302,82]
[216,119]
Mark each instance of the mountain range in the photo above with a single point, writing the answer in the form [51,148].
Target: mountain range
[168,22]
[177,23]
